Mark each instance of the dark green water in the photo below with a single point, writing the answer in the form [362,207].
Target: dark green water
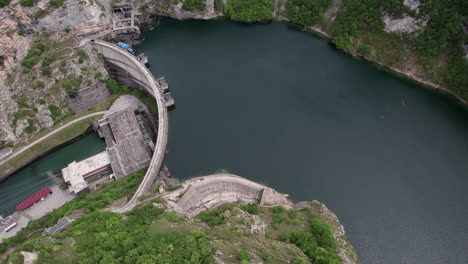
[33,177]
[284,108]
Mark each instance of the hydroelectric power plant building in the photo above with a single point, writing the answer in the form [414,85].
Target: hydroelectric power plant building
[129,130]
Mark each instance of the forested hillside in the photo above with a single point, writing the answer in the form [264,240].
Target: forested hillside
[153,233]
[423,39]
[437,47]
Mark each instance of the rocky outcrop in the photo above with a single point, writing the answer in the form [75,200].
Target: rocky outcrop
[78,15]
[20,27]
[14,41]
[175,9]
[29,257]
[345,250]
[406,23]
[202,194]
[25,96]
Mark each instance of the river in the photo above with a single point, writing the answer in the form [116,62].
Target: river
[284,108]
[33,177]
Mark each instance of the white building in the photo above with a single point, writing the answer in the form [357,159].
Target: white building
[76,173]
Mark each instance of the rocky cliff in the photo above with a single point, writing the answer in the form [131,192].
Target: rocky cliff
[22,26]
[43,63]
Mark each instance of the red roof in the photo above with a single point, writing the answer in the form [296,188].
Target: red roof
[33,198]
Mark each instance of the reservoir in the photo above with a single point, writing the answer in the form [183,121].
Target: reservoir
[284,108]
[33,177]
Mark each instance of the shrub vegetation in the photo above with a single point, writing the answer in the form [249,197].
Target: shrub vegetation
[192,5]
[55,111]
[319,244]
[215,216]
[4,3]
[27,2]
[360,19]
[252,208]
[56,3]
[33,56]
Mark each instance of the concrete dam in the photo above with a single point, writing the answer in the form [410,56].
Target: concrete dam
[201,193]
[130,70]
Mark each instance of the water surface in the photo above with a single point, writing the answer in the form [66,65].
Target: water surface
[283,107]
[33,177]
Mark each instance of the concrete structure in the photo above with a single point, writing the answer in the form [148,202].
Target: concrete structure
[88,97]
[124,21]
[204,193]
[135,71]
[130,131]
[76,173]
[61,226]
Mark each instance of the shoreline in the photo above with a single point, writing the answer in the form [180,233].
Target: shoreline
[87,132]
[399,73]
[323,34]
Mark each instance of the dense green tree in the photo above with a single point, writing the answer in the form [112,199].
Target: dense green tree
[249,10]
[252,208]
[4,3]
[319,244]
[27,2]
[56,3]
[306,12]
[192,5]
[442,36]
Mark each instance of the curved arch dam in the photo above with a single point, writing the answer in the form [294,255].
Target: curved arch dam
[131,71]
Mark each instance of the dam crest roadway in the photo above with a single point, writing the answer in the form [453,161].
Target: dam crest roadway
[130,70]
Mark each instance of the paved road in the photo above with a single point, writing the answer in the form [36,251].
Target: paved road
[23,149]
[115,54]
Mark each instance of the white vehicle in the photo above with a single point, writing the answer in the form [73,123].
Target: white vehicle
[10,227]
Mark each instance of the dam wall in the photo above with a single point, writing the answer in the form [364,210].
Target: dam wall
[130,70]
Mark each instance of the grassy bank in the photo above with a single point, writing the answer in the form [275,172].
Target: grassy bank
[46,145]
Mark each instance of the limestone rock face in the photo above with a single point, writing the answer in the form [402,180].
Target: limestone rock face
[412,4]
[45,121]
[174,8]
[78,15]
[407,23]
[13,47]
